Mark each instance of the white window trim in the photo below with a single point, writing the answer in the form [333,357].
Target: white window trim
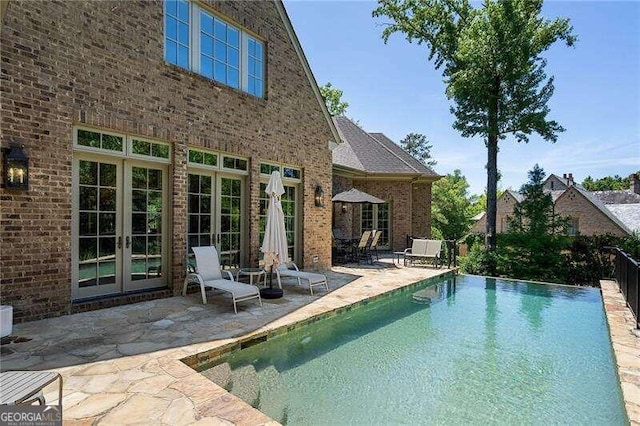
[127,145]
[220,162]
[194,48]
[281,168]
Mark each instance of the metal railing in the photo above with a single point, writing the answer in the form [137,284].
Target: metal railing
[626,274]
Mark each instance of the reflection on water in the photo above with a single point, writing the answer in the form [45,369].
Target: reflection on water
[463,351]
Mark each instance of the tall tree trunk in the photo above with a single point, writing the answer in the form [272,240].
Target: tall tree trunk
[492,177]
[492,192]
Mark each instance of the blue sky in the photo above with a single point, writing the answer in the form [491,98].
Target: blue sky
[393,89]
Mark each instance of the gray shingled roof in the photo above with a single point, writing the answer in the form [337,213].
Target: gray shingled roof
[629,214]
[373,153]
[617,197]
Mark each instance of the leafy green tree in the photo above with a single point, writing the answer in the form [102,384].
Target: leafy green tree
[493,68]
[333,99]
[607,183]
[534,242]
[450,206]
[419,148]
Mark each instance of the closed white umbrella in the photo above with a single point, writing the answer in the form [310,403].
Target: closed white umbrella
[274,245]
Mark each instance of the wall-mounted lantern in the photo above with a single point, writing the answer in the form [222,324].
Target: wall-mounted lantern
[16,169]
[344,207]
[319,196]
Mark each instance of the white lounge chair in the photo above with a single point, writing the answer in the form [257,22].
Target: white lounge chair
[314,279]
[209,274]
[424,250]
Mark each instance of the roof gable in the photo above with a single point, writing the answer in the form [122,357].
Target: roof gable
[598,205]
[374,153]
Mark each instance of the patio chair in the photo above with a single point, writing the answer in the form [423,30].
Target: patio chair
[424,250]
[361,249]
[314,279]
[209,274]
[373,247]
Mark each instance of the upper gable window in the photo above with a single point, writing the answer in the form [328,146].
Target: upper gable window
[200,41]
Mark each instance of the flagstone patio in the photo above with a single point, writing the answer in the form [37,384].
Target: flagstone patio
[124,365]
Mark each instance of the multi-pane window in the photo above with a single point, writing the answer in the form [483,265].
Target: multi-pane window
[176,30]
[219,50]
[200,41]
[376,216]
[255,67]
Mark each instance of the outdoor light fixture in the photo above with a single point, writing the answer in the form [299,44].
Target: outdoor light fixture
[16,169]
[319,196]
[344,207]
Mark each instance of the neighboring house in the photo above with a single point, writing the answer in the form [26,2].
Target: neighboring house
[589,213]
[373,163]
[152,127]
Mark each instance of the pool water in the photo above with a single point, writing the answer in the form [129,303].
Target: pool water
[466,350]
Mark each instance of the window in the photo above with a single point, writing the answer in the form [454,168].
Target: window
[573,227]
[285,171]
[199,41]
[376,216]
[176,30]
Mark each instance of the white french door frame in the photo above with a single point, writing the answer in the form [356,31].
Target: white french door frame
[216,208]
[123,228]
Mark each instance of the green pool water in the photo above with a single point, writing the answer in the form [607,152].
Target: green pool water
[469,350]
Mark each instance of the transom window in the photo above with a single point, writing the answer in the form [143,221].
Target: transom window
[285,171]
[200,41]
[217,161]
[112,143]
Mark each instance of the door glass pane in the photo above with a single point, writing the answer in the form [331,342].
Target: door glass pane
[200,213]
[366,217]
[146,223]
[383,224]
[231,212]
[96,224]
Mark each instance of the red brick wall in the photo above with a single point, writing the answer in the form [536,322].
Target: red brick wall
[504,209]
[591,220]
[101,64]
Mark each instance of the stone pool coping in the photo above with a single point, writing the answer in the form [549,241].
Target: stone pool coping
[625,339]
[136,376]
[151,385]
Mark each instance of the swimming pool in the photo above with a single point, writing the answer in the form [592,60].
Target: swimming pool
[465,350]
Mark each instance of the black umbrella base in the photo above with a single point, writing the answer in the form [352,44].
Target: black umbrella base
[271,293]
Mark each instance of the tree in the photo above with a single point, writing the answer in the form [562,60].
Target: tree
[534,215]
[492,68]
[607,183]
[534,243]
[418,147]
[333,100]
[450,206]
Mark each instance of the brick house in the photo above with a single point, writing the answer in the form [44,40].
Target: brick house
[589,213]
[152,127]
[373,163]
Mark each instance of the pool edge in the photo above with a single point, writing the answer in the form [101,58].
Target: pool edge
[625,342]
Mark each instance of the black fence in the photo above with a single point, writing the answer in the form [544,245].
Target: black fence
[626,273]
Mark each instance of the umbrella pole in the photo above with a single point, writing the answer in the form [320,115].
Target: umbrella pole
[271,293]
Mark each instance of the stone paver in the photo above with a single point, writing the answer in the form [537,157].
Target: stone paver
[128,364]
[124,365]
[625,339]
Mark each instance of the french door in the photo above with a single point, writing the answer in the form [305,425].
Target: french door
[215,211]
[119,225]
[377,216]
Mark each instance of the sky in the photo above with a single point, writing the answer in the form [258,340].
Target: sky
[392,88]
